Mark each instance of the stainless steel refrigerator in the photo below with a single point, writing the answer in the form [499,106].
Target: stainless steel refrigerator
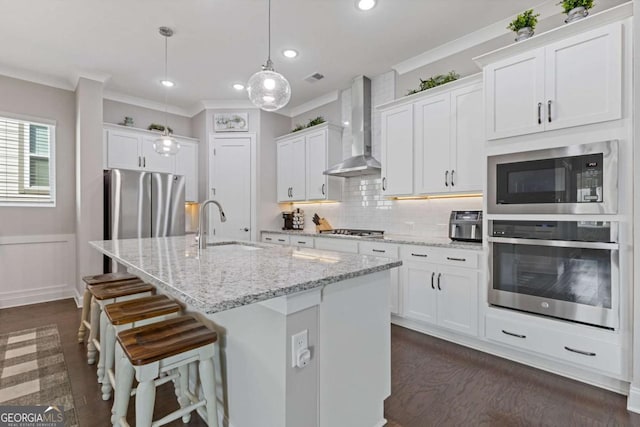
[142,204]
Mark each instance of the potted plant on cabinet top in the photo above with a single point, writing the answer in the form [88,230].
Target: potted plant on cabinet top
[576,9]
[524,24]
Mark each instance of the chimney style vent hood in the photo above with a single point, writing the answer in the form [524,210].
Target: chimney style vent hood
[361,162]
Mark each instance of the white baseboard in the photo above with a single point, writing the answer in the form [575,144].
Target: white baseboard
[633,401]
[77,297]
[381,423]
[35,296]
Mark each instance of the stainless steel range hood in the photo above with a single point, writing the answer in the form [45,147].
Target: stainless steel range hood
[361,162]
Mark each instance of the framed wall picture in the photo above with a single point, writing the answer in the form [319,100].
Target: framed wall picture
[231,122]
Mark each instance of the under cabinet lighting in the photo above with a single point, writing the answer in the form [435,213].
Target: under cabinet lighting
[438,196]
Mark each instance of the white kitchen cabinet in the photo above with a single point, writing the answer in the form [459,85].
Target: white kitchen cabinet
[389,251]
[438,293]
[154,162]
[291,155]
[571,82]
[133,149]
[337,244]
[449,141]
[276,238]
[302,159]
[187,165]
[397,151]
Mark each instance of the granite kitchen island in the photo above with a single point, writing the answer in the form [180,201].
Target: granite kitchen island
[257,297]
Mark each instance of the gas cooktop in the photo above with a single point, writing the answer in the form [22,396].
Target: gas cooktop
[354,232]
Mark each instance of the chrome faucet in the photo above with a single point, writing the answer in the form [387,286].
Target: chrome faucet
[201,237]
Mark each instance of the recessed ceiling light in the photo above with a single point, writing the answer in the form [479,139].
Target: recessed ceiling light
[365,4]
[167,83]
[290,53]
[238,86]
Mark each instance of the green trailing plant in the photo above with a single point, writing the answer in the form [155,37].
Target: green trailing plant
[312,122]
[524,20]
[155,126]
[567,5]
[434,81]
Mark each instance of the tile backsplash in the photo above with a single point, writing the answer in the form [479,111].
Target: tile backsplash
[363,206]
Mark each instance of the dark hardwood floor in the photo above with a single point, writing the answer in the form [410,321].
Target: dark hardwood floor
[434,383]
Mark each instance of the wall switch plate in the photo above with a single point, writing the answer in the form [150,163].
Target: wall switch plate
[299,343]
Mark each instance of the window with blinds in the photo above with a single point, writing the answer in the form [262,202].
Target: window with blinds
[26,163]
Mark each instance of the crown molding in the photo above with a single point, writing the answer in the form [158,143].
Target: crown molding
[478,37]
[35,77]
[313,104]
[145,103]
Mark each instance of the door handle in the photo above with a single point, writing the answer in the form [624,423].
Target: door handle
[549,110]
[539,113]
[513,335]
[584,353]
[419,255]
[456,259]
[446,178]
[378,250]
[290,192]
[432,276]
[139,161]
[439,275]
[244,229]
[323,193]
[384,184]
[144,162]
[452,183]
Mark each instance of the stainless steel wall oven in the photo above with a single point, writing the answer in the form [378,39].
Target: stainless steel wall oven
[578,179]
[563,269]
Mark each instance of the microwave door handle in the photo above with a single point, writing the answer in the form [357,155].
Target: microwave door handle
[453,230]
[473,231]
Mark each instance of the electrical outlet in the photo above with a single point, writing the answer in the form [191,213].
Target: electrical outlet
[299,343]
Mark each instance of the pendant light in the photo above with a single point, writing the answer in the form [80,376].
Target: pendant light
[166,145]
[268,89]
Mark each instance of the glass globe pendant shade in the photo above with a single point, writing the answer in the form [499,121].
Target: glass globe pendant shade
[269,90]
[166,145]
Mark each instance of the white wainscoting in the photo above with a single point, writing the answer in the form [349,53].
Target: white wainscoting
[36,269]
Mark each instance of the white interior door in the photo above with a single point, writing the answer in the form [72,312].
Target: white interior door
[231,187]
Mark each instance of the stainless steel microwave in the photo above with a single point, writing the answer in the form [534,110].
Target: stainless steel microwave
[578,179]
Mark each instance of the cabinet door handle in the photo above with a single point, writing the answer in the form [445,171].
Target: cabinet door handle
[384,184]
[584,353]
[302,242]
[144,162]
[456,259]
[549,110]
[539,113]
[432,276]
[290,191]
[513,335]
[446,178]
[139,161]
[452,183]
[281,240]
[419,255]
[378,250]
[323,193]
[439,275]
[268,238]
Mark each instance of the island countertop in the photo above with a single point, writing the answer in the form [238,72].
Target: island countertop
[232,274]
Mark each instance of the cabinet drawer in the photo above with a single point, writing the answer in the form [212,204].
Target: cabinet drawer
[280,239]
[563,346]
[301,241]
[456,258]
[418,253]
[337,244]
[380,249]
[510,332]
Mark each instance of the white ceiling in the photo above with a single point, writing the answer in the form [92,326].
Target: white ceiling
[220,42]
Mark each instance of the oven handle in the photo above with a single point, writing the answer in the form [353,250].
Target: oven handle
[555,243]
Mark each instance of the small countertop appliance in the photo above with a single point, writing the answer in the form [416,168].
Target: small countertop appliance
[465,226]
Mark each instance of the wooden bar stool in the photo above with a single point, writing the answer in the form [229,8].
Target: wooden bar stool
[99,279]
[126,315]
[158,348]
[102,295]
